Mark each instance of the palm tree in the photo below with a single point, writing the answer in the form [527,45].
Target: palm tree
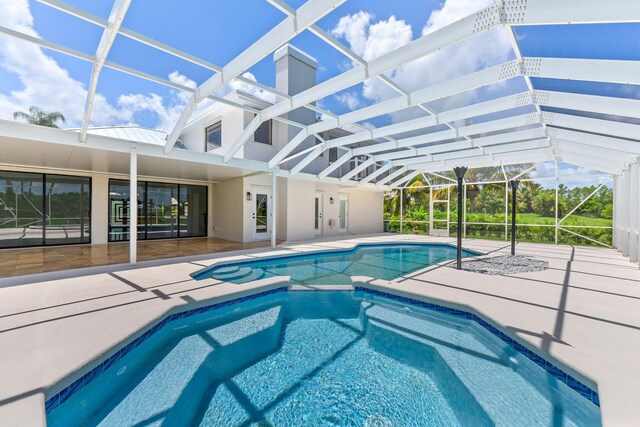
[37,116]
[414,193]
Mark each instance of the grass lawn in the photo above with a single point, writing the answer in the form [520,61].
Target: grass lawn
[533,218]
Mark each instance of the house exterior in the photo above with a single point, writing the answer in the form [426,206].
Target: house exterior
[54,191]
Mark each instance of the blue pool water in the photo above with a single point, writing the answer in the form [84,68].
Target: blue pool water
[380,261]
[324,358]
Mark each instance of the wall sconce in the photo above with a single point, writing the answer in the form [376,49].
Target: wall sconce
[330,200]
[248,196]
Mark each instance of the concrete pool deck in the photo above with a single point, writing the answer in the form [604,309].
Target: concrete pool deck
[584,311]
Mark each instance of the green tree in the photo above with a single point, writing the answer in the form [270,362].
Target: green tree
[544,203]
[37,116]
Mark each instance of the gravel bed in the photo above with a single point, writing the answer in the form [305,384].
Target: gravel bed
[504,265]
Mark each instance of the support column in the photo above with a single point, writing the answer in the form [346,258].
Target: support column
[274,208]
[430,210]
[506,209]
[514,191]
[401,208]
[464,218]
[460,172]
[557,225]
[133,206]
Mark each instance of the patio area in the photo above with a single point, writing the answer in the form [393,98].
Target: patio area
[27,261]
[582,312]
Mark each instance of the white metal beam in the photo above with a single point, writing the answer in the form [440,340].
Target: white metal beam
[581,158]
[588,124]
[392,176]
[607,155]
[561,68]
[353,172]
[405,179]
[335,165]
[118,11]
[589,103]
[306,15]
[435,137]
[623,145]
[376,173]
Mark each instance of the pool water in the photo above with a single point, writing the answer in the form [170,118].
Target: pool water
[380,261]
[324,358]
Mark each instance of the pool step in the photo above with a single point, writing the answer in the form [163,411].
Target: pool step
[232,274]
[256,274]
[228,269]
[238,274]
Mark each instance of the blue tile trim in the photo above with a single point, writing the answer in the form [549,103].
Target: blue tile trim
[584,390]
[205,273]
[58,399]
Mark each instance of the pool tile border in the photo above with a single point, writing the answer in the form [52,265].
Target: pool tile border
[575,384]
[204,273]
[60,397]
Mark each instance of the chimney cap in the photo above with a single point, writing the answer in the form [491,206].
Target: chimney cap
[296,53]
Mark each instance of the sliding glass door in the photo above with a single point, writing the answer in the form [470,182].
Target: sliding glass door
[119,216]
[165,210]
[193,210]
[162,210]
[44,209]
[67,206]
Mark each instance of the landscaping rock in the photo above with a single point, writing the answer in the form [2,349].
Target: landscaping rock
[505,265]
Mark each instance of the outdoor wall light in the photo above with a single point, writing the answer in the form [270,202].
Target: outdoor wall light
[248,196]
[330,200]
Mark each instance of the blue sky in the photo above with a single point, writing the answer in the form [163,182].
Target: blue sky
[218,31]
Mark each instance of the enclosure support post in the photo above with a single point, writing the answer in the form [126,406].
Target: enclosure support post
[460,171]
[464,218]
[514,189]
[401,208]
[430,210]
[506,202]
[133,206]
[555,165]
[274,208]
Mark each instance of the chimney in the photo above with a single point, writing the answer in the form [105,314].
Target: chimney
[295,72]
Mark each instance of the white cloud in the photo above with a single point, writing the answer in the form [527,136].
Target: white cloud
[252,90]
[348,99]
[371,39]
[46,84]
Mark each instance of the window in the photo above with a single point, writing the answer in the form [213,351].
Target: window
[164,210]
[354,163]
[213,136]
[333,154]
[38,209]
[263,133]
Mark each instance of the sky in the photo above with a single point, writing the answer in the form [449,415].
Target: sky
[217,31]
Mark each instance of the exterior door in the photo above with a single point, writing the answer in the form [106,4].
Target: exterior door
[317,223]
[343,214]
[261,213]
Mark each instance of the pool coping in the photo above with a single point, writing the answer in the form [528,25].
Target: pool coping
[119,351]
[222,262]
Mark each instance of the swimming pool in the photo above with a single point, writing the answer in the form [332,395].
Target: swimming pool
[335,267]
[302,358]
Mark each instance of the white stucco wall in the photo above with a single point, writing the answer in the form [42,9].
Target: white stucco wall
[365,211]
[99,209]
[228,202]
